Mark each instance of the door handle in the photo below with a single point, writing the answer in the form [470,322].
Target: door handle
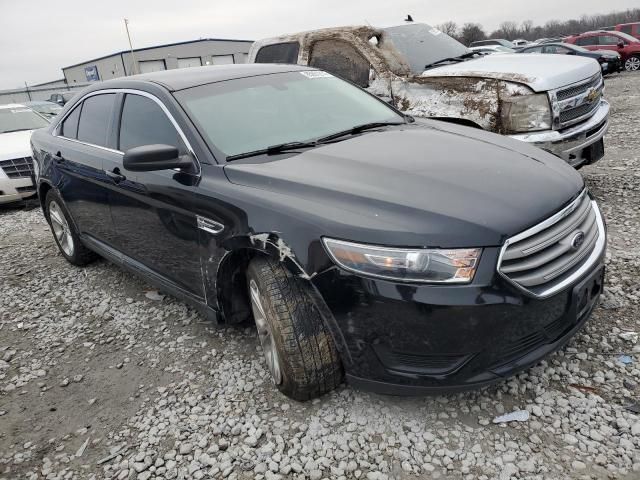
[115,175]
[58,158]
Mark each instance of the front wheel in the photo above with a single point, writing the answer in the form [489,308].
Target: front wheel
[632,64]
[298,348]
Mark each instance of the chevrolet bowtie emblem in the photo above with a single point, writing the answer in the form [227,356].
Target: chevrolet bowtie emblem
[592,96]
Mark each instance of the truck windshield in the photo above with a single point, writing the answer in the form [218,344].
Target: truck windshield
[423,45]
[15,119]
[255,113]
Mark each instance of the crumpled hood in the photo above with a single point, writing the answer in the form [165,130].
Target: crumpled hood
[433,184]
[538,71]
[15,145]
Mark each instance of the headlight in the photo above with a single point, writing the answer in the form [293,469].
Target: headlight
[527,113]
[405,264]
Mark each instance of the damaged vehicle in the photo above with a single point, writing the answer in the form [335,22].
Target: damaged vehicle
[410,256]
[553,103]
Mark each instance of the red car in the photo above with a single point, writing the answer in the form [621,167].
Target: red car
[627,46]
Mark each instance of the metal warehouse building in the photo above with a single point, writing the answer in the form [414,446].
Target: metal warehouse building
[206,51]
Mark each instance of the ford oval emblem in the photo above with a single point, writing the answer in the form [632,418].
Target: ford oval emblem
[577,240]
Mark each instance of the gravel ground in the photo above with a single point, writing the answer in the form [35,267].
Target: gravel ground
[102,378]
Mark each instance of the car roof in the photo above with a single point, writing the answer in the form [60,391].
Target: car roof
[12,105]
[181,78]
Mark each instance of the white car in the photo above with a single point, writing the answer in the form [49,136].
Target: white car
[491,49]
[17,122]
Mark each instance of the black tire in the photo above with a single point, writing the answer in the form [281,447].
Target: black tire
[80,255]
[309,362]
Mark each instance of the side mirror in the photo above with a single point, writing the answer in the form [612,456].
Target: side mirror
[149,158]
[620,44]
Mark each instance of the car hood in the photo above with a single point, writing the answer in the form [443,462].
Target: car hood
[434,184]
[15,144]
[539,72]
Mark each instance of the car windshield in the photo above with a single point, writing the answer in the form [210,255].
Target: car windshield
[576,48]
[423,45]
[255,113]
[627,37]
[500,48]
[14,119]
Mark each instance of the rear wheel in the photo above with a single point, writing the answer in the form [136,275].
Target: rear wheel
[298,348]
[64,232]
[632,64]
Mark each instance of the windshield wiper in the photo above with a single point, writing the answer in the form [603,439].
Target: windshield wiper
[273,149]
[358,129]
[459,58]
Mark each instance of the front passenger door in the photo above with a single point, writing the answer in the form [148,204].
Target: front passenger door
[151,210]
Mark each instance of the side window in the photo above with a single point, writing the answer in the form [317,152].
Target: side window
[341,59]
[279,53]
[556,49]
[69,128]
[143,122]
[534,50]
[587,41]
[627,29]
[608,40]
[94,120]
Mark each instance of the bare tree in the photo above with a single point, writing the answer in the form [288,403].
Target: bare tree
[450,28]
[472,32]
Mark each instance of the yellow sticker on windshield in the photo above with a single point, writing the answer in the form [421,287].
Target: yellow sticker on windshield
[316,74]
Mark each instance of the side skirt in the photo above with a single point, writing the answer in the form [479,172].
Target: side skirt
[153,277]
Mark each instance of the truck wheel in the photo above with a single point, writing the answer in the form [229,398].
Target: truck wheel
[64,232]
[632,64]
[299,350]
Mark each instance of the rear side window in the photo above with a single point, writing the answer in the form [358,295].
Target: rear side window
[587,41]
[94,121]
[143,122]
[279,53]
[608,40]
[341,59]
[69,127]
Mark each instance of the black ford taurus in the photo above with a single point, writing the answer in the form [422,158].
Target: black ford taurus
[409,256]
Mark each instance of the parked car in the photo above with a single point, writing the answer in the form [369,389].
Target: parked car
[609,61]
[17,122]
[45,108]
[632,29]
[550,40]
[413,256]
[61,98]
[491,49]
[551,102]
[627,46]
[493,41]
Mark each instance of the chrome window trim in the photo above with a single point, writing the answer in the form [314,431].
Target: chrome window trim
[597,251]
[131,91]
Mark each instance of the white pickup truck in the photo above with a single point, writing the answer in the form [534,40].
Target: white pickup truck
[552,101]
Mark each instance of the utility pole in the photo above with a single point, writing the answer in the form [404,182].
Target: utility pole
[133,57]
[28,92]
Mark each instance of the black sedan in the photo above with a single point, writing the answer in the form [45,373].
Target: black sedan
[410,256]
[609,61]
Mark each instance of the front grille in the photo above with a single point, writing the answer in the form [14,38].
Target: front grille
[594,82]
[579,102]
[547,257]
[17,167]
[580,111]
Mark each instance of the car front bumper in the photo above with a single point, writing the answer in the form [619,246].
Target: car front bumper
[404,339]
[572,143]
[16,189]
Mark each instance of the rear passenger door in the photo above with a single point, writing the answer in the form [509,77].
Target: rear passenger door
[152,211]
[82,144]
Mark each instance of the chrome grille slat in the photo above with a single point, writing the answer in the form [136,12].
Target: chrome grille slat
[577,103]
[17,167]
[544,258]
[579,89]
[549,236]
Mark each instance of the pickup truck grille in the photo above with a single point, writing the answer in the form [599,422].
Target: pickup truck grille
[579,102]
[549,256]
[17,167]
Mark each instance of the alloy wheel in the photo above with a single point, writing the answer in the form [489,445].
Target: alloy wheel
[61,228]
[265,334]
[632,64]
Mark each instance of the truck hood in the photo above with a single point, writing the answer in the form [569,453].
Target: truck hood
[433,184]
[15,145]
[538,71]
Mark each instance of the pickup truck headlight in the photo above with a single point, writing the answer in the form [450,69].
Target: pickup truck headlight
[405,264]
[526,113]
